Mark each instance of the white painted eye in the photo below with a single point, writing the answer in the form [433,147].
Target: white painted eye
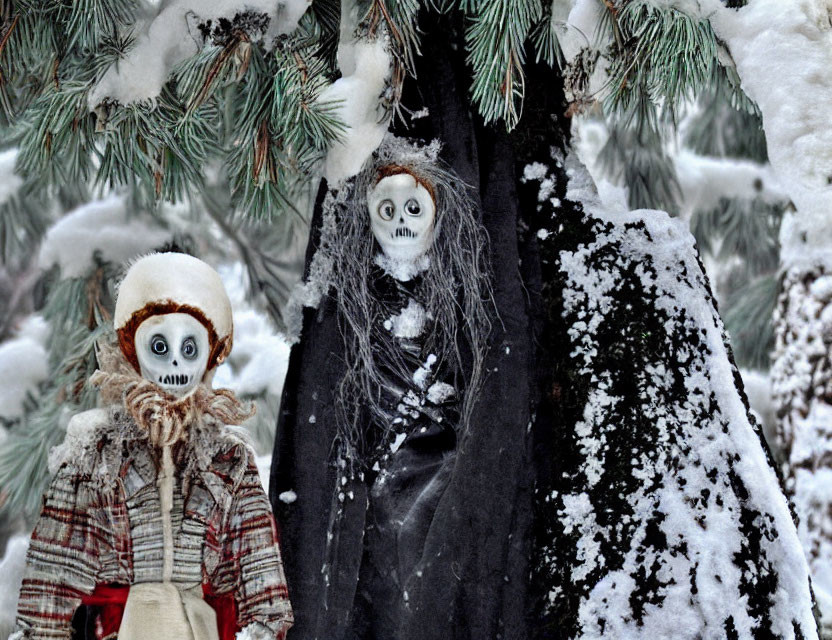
[158,345]
[189,349]
[386,210]
[412,207]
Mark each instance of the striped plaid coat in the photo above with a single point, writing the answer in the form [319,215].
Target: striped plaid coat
[101,525]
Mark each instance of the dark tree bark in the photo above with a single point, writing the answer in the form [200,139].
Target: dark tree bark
[564,515]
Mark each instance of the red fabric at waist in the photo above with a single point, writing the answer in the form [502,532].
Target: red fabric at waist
[110,600]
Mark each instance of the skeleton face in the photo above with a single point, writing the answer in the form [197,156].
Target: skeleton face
[402,213]
[173,351]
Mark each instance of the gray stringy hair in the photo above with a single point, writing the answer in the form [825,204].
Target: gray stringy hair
[454,289]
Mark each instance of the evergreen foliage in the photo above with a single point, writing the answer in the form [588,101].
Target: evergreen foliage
[76,311]
[235,102]
[741,233]
[658,59]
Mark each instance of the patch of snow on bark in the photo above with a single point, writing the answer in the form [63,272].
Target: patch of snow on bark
[801,377]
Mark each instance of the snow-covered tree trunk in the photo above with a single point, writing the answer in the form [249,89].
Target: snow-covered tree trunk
[783,54]
[662,516]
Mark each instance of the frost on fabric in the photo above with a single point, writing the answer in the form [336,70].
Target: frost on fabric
[665,517]
[420,376]
[178,30]
[783,54]
[103,227]
[24,365]
[410,322]
[11,576]
[402,270]
[440,392]
[802,384]
[288,497]
[10,182]
[365,67]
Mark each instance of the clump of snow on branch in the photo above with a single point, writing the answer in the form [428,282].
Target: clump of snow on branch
[667,445]
[365,67]
[705,180]
[172,35]
[783,54]
[576,24]
[10,182]
[24,365]
[103,227]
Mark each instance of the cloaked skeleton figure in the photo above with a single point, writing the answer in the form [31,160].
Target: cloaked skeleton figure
[402,255]
[156,517]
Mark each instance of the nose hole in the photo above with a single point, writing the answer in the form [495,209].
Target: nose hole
[175,364]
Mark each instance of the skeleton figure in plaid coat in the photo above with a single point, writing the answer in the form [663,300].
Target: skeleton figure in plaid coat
[156,519]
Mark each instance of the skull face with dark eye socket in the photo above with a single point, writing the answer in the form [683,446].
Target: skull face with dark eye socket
[173,351]
[402,214]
